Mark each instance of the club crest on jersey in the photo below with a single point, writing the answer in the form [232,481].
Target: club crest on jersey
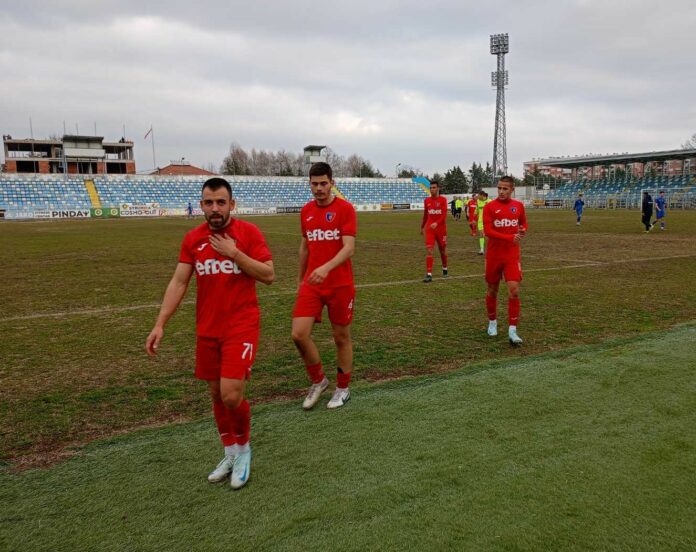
[513,209]
[330,215]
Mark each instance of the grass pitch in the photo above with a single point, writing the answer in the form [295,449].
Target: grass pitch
[80,298]
[581,439]
[591,448]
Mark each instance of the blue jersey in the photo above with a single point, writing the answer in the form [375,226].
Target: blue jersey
[579,204]
[660,204]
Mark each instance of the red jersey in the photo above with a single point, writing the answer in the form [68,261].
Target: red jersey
[501,221]
[226,302]
[435,210]
[324,228]
[472,209]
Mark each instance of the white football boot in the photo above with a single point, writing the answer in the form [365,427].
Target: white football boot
[340,397]
[492,328]
[223,469]
[241,470]
[514,338]
[314,394]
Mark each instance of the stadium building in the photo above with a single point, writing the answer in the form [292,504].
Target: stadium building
[615,180]
[71,154]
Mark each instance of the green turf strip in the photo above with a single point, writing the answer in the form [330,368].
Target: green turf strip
[588,449]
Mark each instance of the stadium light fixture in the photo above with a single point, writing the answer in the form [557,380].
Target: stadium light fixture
[500,44]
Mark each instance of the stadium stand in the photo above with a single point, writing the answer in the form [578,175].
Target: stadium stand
[35,192]
[395,190]
[625,192]
[173,192]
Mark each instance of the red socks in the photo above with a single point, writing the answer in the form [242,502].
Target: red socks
[342,380]
[223,423]
[513,310]
[234,426]
[492,307]
[240,419]
[429,262]
[315,373]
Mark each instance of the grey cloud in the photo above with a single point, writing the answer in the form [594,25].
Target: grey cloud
[397,82]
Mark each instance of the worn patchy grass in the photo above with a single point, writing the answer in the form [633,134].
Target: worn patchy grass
[80,298]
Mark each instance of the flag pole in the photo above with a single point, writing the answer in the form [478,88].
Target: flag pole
[154,161]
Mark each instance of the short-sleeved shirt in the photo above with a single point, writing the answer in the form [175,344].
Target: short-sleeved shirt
[660,204]
[435,211]
[472,209]
[502,220]
[480,204]
[324,227]
[226,302]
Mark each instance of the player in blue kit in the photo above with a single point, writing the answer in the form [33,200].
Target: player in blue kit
[660,209]
[579,205]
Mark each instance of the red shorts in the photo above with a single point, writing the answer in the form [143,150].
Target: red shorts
[432,236]
[339,302]
[474,228]
[223,357]
[496,269]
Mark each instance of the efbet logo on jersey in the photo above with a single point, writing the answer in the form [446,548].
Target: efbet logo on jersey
[323,235]
[213,266]
[434,211]
[503,223]
[330,216]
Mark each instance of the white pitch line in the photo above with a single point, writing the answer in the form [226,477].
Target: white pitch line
[107,310]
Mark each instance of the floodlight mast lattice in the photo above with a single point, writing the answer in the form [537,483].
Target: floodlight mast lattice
[500,45]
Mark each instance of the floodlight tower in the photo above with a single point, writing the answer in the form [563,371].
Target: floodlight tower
[500,45]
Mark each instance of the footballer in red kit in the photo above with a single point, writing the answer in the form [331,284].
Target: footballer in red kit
[434,226]
[472,214]
[329,225]
[505,224]
[228,257]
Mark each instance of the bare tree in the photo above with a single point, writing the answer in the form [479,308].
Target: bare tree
[353,165]
[236,162]
[690,143]
[284,163]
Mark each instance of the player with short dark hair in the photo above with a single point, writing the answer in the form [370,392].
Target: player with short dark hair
[434,226]
[471,214]
[228,256]
[329,226]
[578,207]
[646,210]
[505,224]
[481,201]
[660,210]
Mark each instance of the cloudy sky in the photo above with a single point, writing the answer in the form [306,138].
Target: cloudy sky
[393,81]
